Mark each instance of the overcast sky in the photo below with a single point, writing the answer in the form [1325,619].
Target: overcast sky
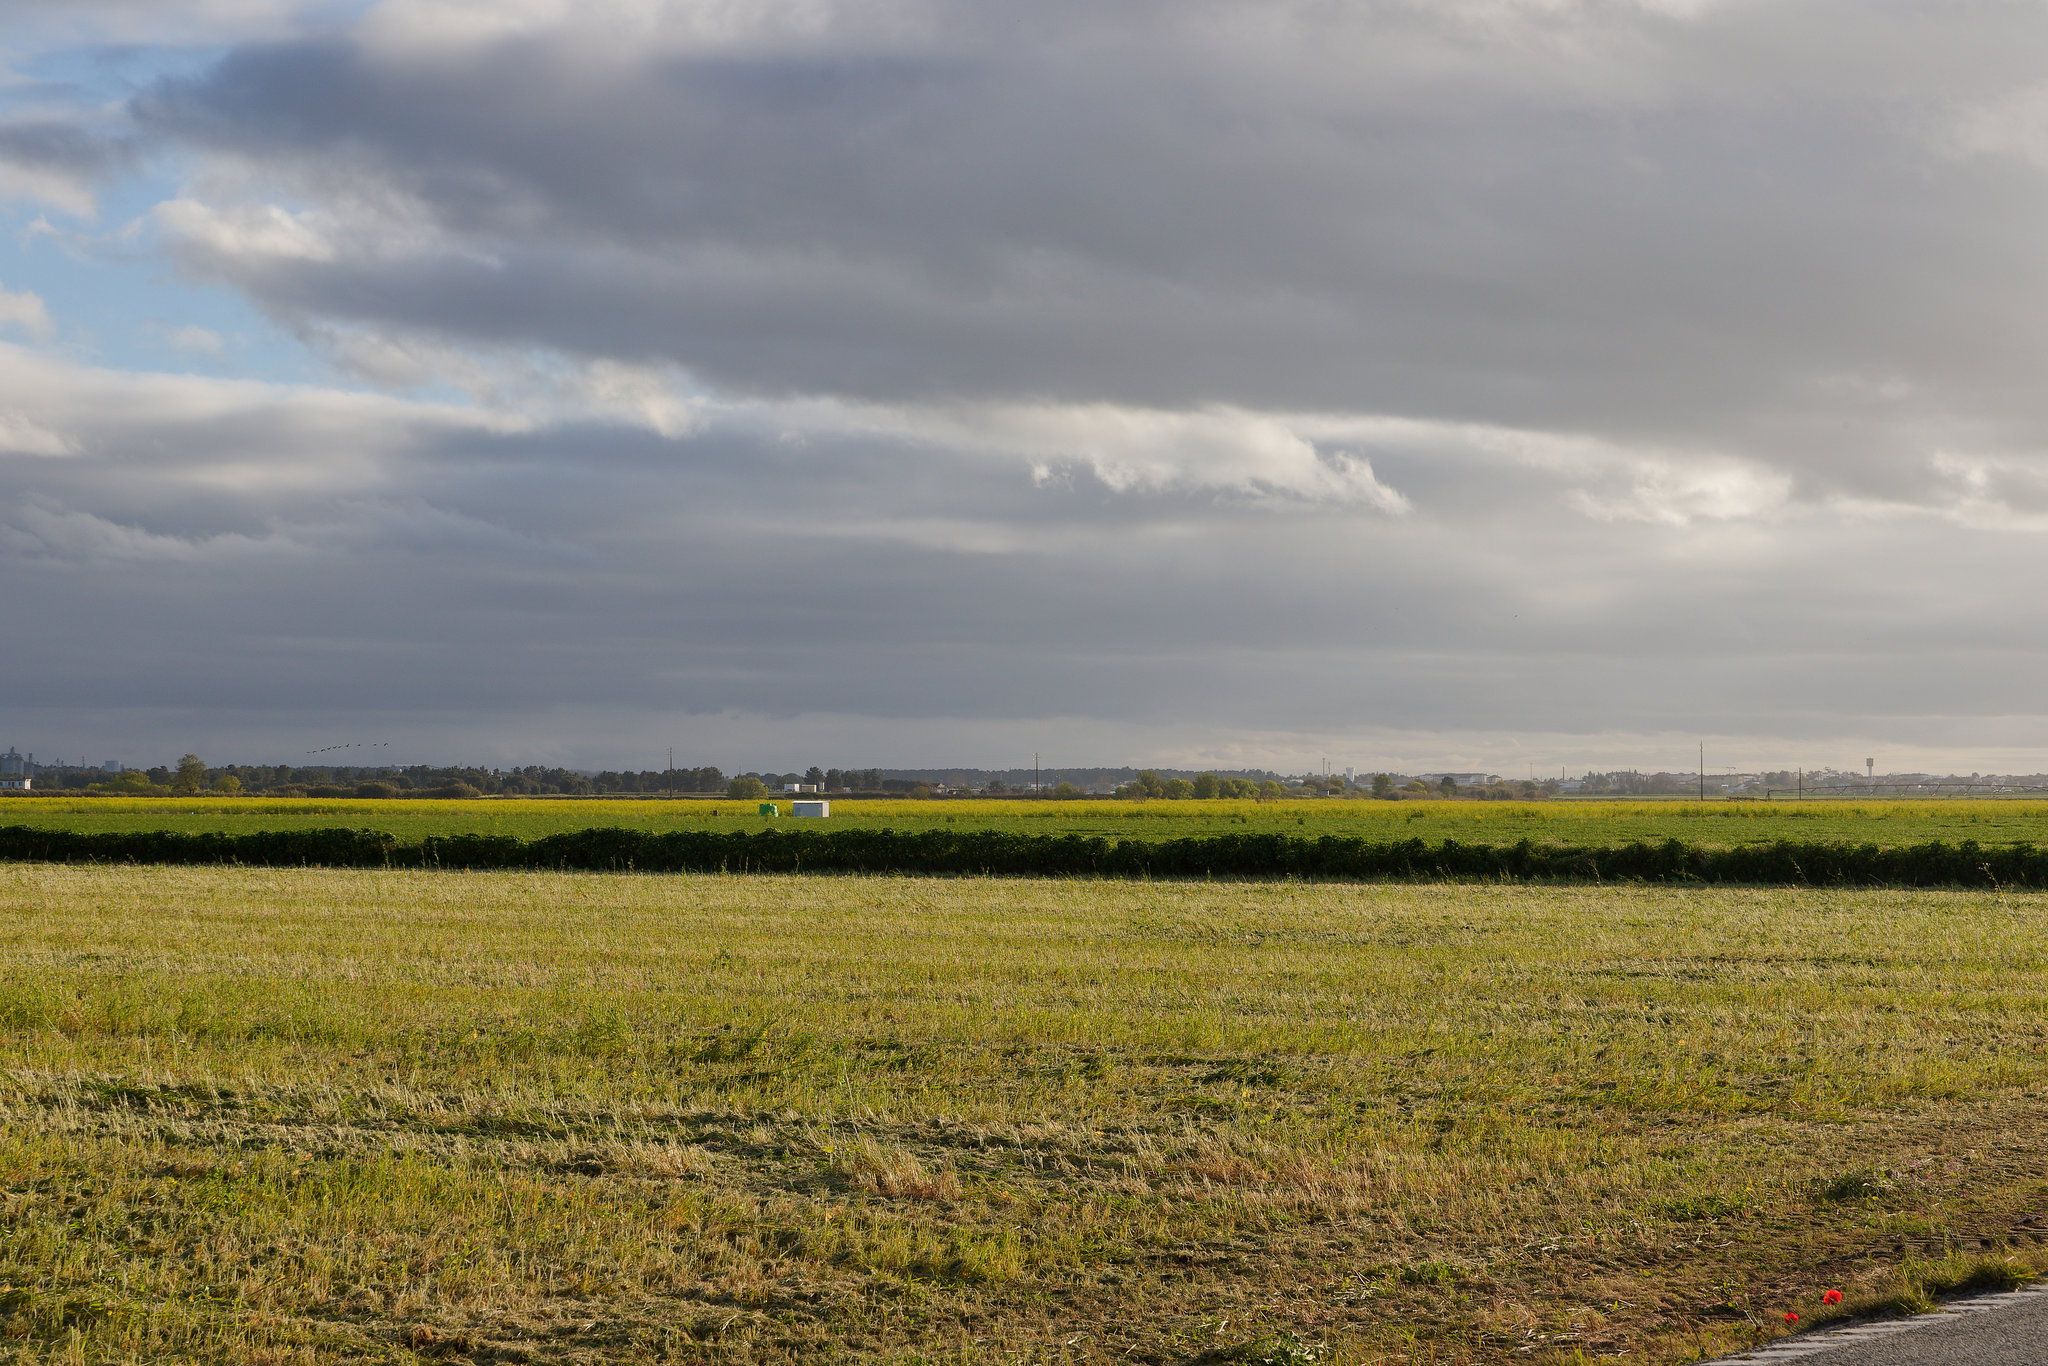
[1502,384]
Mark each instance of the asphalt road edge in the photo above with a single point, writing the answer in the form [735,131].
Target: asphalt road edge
[1798,1345]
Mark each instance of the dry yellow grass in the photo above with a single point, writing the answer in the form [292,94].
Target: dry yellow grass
[262,1115]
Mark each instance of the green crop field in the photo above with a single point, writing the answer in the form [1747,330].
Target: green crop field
[293,1116]
[1580,822]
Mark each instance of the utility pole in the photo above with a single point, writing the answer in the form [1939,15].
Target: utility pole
[671,770]
[1703,770]
[1037,783]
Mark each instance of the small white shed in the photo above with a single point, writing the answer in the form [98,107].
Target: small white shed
[13,784]
[810,808]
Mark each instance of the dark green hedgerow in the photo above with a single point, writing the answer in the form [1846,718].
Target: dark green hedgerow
[975,853]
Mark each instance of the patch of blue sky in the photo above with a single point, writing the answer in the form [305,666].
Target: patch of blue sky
[114,297]
[96,56]
[102,75]
[117,300]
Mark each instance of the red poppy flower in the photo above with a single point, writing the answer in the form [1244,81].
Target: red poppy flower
[1832,1297]
[1791,1317]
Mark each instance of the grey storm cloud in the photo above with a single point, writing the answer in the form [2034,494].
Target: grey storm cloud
[1760,229]
[56,160]
[58,146]
[1439,380]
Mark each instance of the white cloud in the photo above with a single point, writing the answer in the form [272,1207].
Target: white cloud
[1994,491]
[27,312]
[180,430]
[1675,493]
[2013,125]
[1215,450]
[404,27]
[246,234]
[652,396]
[47,185]
[23,435]
[397,360]
[539,386]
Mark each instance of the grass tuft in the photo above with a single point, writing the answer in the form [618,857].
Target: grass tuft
[1861,1184]
[886,1169]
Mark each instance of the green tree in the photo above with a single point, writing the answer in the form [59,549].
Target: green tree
[1383,785]
[746,789]
[1179,789]
[229,786]
[1066,791]
[191,776]
[1208,786]
[1449,786]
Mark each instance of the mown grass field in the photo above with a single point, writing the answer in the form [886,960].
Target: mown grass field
[1580,822]
[278,1116]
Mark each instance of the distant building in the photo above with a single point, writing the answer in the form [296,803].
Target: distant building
[815,809]
[14,764]
[111,766]
[13,783]
[800,787]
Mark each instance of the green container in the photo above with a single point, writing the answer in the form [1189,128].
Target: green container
[770,809]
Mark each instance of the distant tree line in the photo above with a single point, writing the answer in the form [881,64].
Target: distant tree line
[1202,787]
[1629,783]
[192,776]
[1150,784]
